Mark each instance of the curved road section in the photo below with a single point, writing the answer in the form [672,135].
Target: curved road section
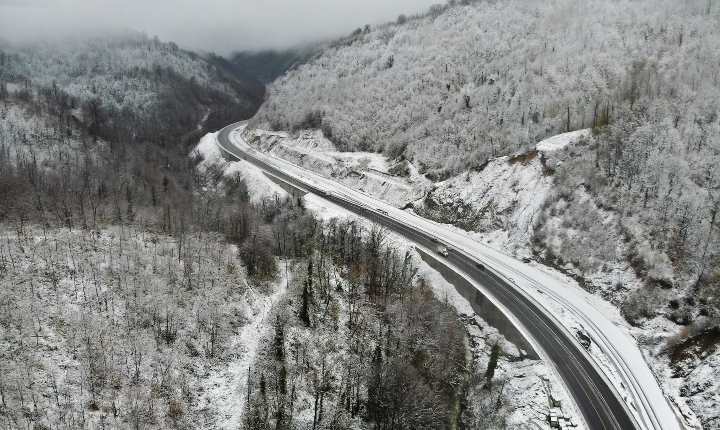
[639,404]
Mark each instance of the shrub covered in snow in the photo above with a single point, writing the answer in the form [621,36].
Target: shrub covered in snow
[112,328]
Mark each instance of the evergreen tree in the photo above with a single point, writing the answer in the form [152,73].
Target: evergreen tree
[307,296]
[305,309]
[492,365]
[279,340]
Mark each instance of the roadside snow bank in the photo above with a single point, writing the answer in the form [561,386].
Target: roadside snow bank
[214,167]
[365,171]
[505,196]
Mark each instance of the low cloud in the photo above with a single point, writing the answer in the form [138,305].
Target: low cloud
[212,25]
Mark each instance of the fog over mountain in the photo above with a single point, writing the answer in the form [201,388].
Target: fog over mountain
[213,25]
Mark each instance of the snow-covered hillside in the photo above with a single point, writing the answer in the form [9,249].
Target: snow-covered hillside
[30,136]
[111,82]
[474,95]
[520,191]
[524,383]
[504,197]
[215,168]
[98,130]
[125,71]
[480,79]
[96,327]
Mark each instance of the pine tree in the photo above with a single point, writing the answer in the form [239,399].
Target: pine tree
[375,390]
[307,295]
[306,299]
[492,365]
[279,340]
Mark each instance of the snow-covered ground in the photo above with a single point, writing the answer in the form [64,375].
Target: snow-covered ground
[29,135]
[212,159]
[119,301]
[225,389]
[365,171]
[617,353]
[501,200]
[561,141]
[527,382]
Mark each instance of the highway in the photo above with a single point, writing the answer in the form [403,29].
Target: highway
[601,405]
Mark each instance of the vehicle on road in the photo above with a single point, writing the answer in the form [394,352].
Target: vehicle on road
[442,250]
[583,338]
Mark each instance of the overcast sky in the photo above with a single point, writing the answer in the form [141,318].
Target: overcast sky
[212,25]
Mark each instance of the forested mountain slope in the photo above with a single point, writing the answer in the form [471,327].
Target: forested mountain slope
[121,288]
[134,289]
[468,82]
[471,81]
[107,123]
[267,65]
[127,86]
[631,209]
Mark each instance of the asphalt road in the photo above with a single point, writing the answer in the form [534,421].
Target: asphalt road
[597,401]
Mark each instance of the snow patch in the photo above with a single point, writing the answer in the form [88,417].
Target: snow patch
[259,185]
[562,141]
[226,387]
